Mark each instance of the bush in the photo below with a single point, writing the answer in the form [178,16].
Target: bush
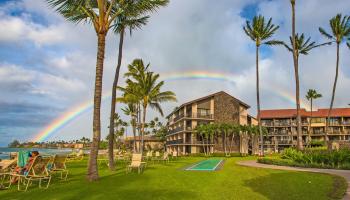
[312,157]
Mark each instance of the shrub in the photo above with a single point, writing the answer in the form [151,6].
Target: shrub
[313,157]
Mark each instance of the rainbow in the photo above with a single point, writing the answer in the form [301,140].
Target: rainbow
[78,110]
[64,119]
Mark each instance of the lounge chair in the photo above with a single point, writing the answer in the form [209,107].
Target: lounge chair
[58,165]
[174,155]
[76,156]
[148,155]
[165,157]
[157,156]
[7,165]
[37,171]
[136,163]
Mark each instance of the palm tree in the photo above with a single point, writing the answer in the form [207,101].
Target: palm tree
[310,96]
[148,90]
[131,18]
[300,45]
[130,110]
[340,27]
[101,14]
[259,31]
[201,131]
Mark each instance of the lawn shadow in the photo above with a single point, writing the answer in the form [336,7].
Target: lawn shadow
[286,185]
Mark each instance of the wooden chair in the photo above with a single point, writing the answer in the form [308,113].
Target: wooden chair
[136,163]
[37,171]
[7,165]
[58,165]
[165,157]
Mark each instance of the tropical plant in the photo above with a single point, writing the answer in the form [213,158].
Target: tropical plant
[311,95]
[340,27]
[299,45]
[147,89]
[101,14]
[133,17]
[259,31]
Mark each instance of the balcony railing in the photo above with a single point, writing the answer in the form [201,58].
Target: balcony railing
[178,117]
[267,124]
[282,123]
[181,128]
[200,115]
[179,141]
[346,122]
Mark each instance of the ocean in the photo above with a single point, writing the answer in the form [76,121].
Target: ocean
[5,152]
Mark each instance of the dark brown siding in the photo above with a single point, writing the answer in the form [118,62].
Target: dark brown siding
[226,109]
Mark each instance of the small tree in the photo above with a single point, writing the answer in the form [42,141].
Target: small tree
[310,96]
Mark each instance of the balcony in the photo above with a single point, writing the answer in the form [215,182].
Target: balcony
[178,129]
[346,122]
[282,123]
[176,118]
[200,115]
[334,123]
[174,142]
[267,123]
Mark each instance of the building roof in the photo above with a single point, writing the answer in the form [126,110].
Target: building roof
[206,97]
[290,113]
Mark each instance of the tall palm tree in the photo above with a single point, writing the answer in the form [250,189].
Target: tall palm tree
[296,74]
[310,96]
[300,45]
[148,90]
[133,17]
[259,31]
[340,27]
[101,14]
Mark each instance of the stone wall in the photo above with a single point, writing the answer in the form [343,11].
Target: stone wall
[226,109]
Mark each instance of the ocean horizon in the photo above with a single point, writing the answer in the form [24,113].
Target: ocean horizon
[5,151]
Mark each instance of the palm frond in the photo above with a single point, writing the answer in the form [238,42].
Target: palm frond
[274,42]
[324,33]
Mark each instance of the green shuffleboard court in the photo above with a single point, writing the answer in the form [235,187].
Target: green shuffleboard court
[206,165]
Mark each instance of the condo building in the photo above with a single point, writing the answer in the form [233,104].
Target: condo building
[282,127]
[219,107]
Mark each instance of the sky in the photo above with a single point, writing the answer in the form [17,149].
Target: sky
[47,65]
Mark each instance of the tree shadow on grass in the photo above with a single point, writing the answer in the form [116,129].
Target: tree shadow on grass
[290,185]
[140,193]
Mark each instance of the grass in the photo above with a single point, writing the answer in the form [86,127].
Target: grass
[169,181]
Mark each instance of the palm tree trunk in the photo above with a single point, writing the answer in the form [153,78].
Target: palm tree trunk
[310,124]
[134,133]
[139,122]
[225,143]
[258,101]
[333,94]
[296,73]
[143,127]
[203,145]
[231,142]
[113,103]
[297,96]
[92,174]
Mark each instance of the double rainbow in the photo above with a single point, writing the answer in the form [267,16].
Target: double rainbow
[78,110]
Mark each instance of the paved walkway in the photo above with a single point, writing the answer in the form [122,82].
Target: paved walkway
[343,173]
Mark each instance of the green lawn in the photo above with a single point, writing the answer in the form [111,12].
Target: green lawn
[169,181]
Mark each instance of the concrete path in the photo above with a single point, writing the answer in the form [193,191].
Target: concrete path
[343,173]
